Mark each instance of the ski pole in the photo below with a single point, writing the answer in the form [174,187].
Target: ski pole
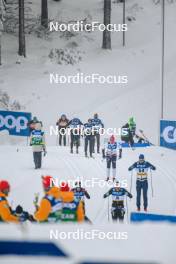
[11,204]
[144,136]
[127,209]
[131,181]
[99,211]
[57,140]
[36,199]
[151,176]
[108,209]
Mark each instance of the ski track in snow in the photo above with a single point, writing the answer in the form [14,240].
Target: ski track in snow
[95,165]
[25,181]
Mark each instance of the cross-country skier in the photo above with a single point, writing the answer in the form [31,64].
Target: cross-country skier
[50,207]
[31,124]
[140,139]
[127,135]
[75,127]
[88,137]
[142,167]
[132,125]
[118,207]
[37,141]
[6,214]
[72,211]
[111,152]
[80,193]
[62,124]
[22,215]
[97,126]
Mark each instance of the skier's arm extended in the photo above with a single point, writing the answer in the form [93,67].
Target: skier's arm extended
[102,125]
[128,194]
[103,153]
[30,140]
[87,194]
[43,211]
[6,213]
[80,212]
[120,153]
[107,194]
[44,145]
[80,123]
[69,123]
[149,165]
[132,166]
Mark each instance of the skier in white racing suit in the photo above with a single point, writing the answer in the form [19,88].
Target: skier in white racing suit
[111,152]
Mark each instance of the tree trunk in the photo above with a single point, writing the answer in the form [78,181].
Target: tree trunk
[0,48]
[44,13]
[22,47]
[107,20]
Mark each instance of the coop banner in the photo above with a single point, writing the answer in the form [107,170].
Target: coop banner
[15,122]
[168,134]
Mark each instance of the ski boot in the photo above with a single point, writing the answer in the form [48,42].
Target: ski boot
[91,156]
[77,152]
[71,151]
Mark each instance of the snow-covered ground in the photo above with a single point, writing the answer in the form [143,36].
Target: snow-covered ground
[151,243]
[18,169]
[146,243]
[140,60]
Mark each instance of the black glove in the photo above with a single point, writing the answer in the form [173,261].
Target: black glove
[44,152]
[130,195]
[31,218]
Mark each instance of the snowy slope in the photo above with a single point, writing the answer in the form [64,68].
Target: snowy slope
[62,165]
[157,239]
[28,82]
[140,60]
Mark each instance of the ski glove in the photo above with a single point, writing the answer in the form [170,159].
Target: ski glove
[130,195]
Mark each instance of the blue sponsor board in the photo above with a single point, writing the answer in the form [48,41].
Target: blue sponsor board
[136,145]
[168,134]
[30,248]
[141,217]
[15,122]
[116,262]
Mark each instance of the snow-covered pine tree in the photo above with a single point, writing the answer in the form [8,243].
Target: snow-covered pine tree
[2,14]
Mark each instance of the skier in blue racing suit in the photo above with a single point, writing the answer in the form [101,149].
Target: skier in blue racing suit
[97,126]
[75,128]
[88,137]
[142,167]
[118,195]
